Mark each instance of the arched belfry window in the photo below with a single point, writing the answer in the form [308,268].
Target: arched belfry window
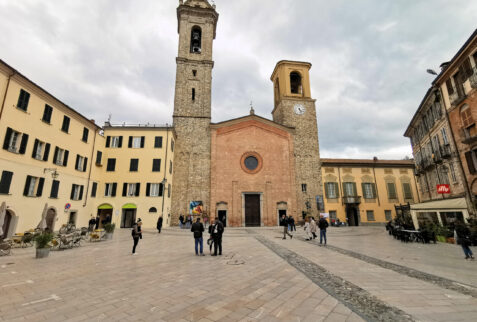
[295,83]
[196,40]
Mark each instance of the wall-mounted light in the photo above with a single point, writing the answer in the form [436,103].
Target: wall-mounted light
[54,173]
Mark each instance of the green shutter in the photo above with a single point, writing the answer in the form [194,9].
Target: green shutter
[337,189]
[407,191]
[391,190]
[327,193]
[355,190]
[363,188]
[373,187]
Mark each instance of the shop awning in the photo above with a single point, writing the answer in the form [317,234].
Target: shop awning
[105,206]
[450,204]
[129,206]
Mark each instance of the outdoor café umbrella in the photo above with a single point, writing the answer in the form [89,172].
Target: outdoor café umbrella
[42,225]
[3,211]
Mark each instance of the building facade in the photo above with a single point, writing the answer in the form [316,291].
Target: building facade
[228,169]
[54,157]
[366,192]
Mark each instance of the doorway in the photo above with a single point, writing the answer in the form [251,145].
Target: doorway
[50,220]
[352,215]
[281,212]
[105,217]
[222,214]
[129,218]
[6,224]
[252,210]
[72,218]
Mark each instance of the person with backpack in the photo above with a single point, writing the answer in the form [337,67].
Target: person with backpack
[136,234]
[291,224]
[463,238]
[197,228]
[322,224]
[217,232]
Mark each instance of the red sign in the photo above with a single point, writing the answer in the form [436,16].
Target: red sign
[443,189]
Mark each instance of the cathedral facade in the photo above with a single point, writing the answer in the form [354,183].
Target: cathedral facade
[250,170]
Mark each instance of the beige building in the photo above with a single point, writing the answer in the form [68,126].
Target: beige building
[365,192]
[53,155]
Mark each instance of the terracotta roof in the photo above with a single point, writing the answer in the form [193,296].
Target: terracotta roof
[369,162]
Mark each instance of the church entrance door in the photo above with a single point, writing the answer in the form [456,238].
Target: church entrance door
[252,210]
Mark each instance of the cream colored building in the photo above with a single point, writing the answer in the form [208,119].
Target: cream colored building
[365,192]
[49,156]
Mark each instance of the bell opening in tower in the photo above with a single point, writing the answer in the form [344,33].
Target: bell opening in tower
[196,40]
[295,83]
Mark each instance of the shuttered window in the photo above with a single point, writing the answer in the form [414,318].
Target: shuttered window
[111,165]
[47,114]
[158,142]
[466,115]
[77,192]
[370,215]
[470,162]
[349,189]
[369,190]
[94,188]
[388,215]
[392,195]
[331,190]
[134,164]
[154,190]
[110,189]
[407,191]
[5,182]
[65,127]
[85,135]
[23,100]
[156,165]
[55,186]
[99,157]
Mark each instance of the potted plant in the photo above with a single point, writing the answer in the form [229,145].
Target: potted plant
[109,228]
[42,243]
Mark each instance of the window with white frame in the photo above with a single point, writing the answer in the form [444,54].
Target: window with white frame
[136,142]
[108,191]
[14,141]
[154,190]
[32,185]
[59,156]
[80,163]
[331,189]
[349,189]
[76,192]
[39,150]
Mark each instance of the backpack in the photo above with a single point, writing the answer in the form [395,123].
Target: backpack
[133,232]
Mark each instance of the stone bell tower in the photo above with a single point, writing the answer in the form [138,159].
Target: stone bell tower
[197,22]
[294,107]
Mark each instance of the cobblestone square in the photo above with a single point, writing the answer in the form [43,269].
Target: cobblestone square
[260,277]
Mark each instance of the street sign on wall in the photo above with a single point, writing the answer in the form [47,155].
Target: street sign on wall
[443,189]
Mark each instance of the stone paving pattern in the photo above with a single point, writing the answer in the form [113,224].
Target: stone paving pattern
[167,282]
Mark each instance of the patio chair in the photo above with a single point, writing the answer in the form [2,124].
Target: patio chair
[27,240]
[5,247]
[66,241]
[84,233]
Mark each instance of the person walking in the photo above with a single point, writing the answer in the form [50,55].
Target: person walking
[91,224]
[284,223]
[159,224]
[218,230]
[307,229]
[198,229]
[322,224]
[211,240]
[463,238]
[181,221]
[136,234]
[313,227]
[96,222]
[291,223]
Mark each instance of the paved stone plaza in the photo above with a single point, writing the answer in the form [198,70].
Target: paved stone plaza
[363,274]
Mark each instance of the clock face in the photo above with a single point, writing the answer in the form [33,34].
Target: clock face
[300,109]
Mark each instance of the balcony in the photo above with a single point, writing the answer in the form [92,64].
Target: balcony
[473,78]
[352,199]
[467,136]
[456,98]
[445,151]
[436,157]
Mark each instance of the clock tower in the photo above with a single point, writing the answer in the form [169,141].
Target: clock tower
[295,108]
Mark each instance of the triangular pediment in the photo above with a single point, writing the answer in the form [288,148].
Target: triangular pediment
[250,121]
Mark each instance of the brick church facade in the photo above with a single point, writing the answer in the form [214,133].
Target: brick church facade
[250,170]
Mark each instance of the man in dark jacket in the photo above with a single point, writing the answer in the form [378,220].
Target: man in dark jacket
[181,221]
[217,232]
[322,224]
[159,224]
[284,223]
[136,234]
[463,238]
[291,223]
[91,224]
[198,229]
[97,222]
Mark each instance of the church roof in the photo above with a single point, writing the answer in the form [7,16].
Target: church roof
[251,117]
[368,163]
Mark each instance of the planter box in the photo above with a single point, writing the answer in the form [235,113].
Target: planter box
[441,239]
[42,252]
[450,240]
[109,236]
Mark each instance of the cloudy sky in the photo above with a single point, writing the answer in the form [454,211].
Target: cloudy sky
[369,59]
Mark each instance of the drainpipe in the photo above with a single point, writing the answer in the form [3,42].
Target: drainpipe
[459,161]
[376,183]
[90,168]
[165,172]
[5,95]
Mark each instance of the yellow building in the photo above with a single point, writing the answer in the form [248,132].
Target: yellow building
[53,155]
[365,192]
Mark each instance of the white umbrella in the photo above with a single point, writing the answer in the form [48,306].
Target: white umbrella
[42,225]
[3,212]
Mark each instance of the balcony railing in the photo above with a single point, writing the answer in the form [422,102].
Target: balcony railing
[352,199]
[445,151]
[467,138]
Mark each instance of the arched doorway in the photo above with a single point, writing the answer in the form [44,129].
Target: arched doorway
[222,208]
[9,224]
[282,208]
[51,219]
[105,213]
[128,217]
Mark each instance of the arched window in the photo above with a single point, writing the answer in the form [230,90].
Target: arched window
[152,209]
[295,83]
[196,40]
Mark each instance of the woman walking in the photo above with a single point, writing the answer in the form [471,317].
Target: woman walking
[307,228]
[136,234]
[159,224]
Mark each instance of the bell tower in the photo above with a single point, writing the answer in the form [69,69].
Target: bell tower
[197,22]
[295,108]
